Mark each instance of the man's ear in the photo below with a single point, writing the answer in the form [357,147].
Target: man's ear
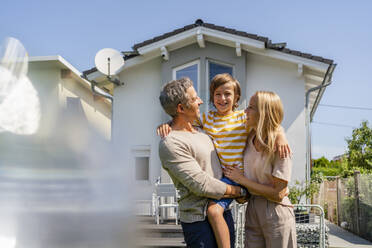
[180,108]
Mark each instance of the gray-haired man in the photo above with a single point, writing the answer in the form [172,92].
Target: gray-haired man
[188,155]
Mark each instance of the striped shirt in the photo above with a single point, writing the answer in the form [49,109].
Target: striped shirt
[229,135]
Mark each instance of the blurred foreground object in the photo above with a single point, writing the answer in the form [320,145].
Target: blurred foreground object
[19,102]
[61,184]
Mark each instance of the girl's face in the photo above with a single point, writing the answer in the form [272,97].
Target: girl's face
[252,112]
[224,99]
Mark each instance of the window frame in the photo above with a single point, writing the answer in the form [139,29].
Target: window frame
[188,64]
[141,152]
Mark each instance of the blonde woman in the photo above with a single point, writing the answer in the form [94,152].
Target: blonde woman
[270,219]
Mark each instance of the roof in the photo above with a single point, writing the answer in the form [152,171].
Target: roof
[59,62]
[268,43]
[199,23]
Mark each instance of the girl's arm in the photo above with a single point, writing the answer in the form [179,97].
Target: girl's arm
[274,193]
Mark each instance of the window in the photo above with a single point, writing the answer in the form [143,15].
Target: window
[218,68]
[73,105]
[190,70]
[142,168]
[141,156]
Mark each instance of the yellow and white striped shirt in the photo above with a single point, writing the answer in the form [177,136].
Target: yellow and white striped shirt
[229,135]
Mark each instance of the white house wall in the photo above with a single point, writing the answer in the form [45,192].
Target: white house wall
[52,144]
[137,113]
[46,82]
[95,110]
[280,77]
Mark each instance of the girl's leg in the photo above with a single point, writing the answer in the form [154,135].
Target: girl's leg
[219,225]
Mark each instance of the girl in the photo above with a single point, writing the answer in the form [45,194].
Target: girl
[227,128]
[270,219]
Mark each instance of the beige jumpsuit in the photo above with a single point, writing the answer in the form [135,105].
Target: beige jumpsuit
[268,224]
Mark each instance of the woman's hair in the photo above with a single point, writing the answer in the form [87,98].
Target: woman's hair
[221,79]
[270,111]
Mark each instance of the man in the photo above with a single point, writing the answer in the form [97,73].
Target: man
[188,155]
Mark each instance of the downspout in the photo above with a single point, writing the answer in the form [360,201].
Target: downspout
[308,119]
[93,88]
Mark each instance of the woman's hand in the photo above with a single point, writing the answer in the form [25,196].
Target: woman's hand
[234,174]
[163,130]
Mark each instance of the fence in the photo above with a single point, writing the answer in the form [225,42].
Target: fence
[327,198]
[347,202]
[354,204]
[310,227]
[238,211]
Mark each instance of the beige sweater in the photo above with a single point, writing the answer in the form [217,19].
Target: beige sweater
[191,161]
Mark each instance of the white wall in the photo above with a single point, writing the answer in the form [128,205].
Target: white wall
[137,112]
[52,144]
[46,83]
[96,110]
[280,77]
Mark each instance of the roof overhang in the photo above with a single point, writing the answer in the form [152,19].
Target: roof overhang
[58,62]
[190,36]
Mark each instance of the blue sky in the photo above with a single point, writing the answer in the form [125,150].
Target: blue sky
[339,30]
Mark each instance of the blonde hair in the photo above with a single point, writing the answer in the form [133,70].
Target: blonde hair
[270,111]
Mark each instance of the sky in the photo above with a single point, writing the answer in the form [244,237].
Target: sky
[338,30]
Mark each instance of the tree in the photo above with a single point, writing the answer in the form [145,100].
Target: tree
[359,153]
[321,162]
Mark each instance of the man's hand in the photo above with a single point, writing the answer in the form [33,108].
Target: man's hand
[163,130]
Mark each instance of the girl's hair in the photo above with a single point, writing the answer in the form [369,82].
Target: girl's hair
[270,111]
[221,79]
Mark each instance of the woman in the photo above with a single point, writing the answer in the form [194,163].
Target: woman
[270,219]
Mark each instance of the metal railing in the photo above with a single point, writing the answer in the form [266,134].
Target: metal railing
[310,225]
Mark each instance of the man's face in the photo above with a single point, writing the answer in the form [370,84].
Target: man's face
[192,113]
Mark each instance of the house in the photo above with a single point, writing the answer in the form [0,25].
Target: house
[200,51]
[66,106]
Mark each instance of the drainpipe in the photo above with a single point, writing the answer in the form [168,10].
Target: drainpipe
[308,119]
[93,87]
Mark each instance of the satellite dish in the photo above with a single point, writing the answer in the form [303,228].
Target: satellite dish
[109,61]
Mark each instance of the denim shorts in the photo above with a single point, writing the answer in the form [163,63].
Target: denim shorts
[225,202]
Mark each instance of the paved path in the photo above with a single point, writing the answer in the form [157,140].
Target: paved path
[340,238]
